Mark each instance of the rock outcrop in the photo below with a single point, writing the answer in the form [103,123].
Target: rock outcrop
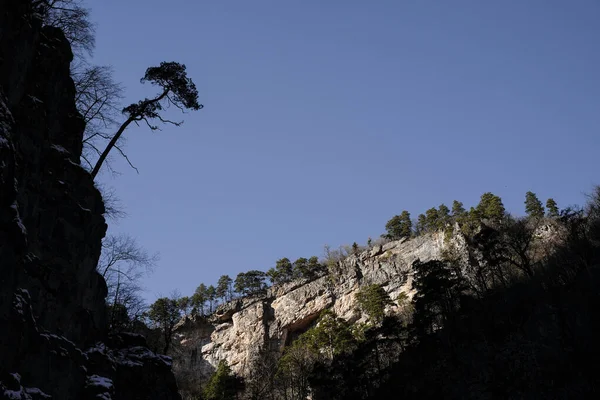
[238,330]
[51,226]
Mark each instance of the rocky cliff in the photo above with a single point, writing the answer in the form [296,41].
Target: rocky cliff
[53,341]
[238,330]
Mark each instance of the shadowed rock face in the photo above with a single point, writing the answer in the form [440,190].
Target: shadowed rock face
[51,227]
[241,329]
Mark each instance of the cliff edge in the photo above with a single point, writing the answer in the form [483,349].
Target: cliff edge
[53,341]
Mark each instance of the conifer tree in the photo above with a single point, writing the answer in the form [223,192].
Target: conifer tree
[176,89]
[552,208]
[533,206]
[372,300]
[393,228]
[165,314]
[443,216]
[199,298]
[222,385]
[211,296]
[490,207]
[313,266]
[406,225]
[300,268]
[224,290]
[285,269]
[421,225]
[251,282]
[458,210]
[431,219]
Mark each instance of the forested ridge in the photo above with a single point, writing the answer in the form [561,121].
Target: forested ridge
[508,311]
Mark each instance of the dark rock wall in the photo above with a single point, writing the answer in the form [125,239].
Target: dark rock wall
[51,227]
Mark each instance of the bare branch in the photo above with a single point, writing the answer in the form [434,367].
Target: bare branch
[177,89]
[73,19]
[126,158]
[113,209]
[123,263]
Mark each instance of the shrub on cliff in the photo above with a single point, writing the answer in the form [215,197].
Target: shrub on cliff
[223,384]
[372,300]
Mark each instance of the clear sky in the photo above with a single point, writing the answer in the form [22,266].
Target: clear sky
[323,119]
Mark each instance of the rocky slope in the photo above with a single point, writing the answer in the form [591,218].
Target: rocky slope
[53,341]
[240,329]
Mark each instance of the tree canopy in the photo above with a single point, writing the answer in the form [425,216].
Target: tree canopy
[176,89]
[533,206]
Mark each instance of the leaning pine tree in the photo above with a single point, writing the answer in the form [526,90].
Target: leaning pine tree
[176,89]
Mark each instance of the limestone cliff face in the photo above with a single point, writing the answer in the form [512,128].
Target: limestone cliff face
[242,328]
[52,312]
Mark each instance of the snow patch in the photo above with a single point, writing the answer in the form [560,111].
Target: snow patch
[38,393]
[18,219]
[166,359]
[13,395]
[97,380]
[59,148]
[35,99]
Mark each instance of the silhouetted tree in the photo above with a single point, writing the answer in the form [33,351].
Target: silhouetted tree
[98,98]
[437,287]
[165,314]
[123,263]
[72,18]
[176,89]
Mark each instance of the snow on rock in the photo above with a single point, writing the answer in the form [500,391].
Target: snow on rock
[17,219]
[96,380]
[11,389]
[36,393]
[60,149]
[35,100]
[99,387]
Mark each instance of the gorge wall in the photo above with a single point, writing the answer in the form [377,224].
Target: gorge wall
[53,341]
[240,329]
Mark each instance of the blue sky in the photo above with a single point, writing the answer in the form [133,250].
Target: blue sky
[323,119]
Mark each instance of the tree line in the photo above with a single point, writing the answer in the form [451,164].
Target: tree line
[517,321]
[489,210]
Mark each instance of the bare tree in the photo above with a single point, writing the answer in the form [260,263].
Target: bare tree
[98,96]
[113,209]
[72,18]
[176,90]
[123,263]
[98,99]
